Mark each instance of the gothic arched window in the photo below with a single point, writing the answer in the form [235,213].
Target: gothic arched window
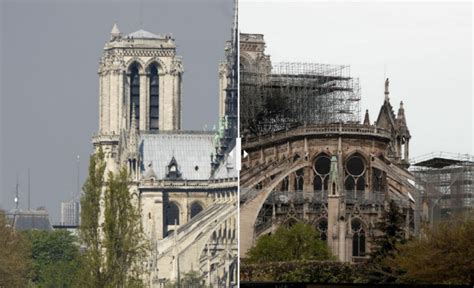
[378,180]
[322,166]
[355,175]
[172,214]
[196,208]
[358,238]
[299,180]
[154,98]
[135,94]
[284,184]
[323,229]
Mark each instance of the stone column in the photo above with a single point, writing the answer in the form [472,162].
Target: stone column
[406,149]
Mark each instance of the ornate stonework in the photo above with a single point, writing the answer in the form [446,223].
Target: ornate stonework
[187,200]
[338,177]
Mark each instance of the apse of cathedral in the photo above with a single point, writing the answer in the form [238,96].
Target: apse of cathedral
[309,157]
[185,182]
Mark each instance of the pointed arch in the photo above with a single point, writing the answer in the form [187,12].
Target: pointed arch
[358,230]
[134,80]
[355,171]
[321,167]
[135,62]
[196,208]
[172,213]
[158,63]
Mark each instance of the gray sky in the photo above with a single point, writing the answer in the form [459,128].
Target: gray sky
[49,84]
[425,49]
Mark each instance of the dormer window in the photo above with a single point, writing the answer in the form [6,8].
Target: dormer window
[173,170]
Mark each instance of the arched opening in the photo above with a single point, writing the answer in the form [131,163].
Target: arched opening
[285,184]
[321,167]
[358,238]
[354,182]
[196,208]
[299,180]
[172,214]
[154,98]
[323,229]
[135,94]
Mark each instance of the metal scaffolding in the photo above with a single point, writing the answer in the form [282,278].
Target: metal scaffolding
[296,94]
[446,184]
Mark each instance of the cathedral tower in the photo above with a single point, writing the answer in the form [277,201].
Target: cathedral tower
[140,75]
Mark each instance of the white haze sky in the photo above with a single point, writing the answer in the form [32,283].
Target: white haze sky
[424,48]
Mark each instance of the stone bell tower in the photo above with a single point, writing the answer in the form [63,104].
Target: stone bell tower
[140,75]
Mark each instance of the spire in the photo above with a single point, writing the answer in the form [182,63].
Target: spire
[366,118]
[133,131]
[401,120]
[334,177]
[387,83]
[115,33]
[235,25]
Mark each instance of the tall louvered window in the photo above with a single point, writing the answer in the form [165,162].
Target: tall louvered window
[135,94]
[154,98]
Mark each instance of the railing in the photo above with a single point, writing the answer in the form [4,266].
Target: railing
[325,129]
[362,197]
[350,197]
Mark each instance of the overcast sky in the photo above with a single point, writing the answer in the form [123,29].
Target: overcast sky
[424,48]
[50,52]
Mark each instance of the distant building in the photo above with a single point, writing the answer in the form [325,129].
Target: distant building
[70,213]
[30,219]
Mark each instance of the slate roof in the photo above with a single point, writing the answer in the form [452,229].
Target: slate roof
[228,168]
[30,220]
[190,150]
[142,34]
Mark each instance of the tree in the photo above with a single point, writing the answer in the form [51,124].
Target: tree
[116,247]
[14,256]
[55,256]
[443,256]
[124,243]
[298,242]
[385,245]
[92,275]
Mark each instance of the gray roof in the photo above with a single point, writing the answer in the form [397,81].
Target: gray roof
[190,150]
[30,220]
[227,169]
[142,34]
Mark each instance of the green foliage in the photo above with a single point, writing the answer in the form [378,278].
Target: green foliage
[91,274]
[14,256]
[385,245]
[55,256]
[303,271]
[444,255]
[123,237]
[298,242]
[113,257]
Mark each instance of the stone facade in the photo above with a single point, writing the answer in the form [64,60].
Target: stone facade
[187,200]
[338,177]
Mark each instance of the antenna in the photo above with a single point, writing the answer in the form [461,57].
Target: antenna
[17,193]
[78,161]
[29,190]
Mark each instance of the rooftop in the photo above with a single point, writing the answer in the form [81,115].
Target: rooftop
[142,34]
